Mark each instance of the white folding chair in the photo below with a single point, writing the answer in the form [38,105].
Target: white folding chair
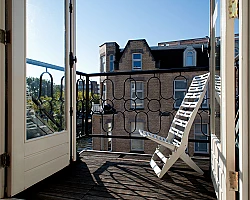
[177,137]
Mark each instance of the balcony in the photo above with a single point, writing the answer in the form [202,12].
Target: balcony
[109,171]
[106,175]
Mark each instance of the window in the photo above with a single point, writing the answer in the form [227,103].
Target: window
[111,63]
[137,95]
[136,61]
[136,144]
[189,57]
[103,64]
[198,135]
[109,139]
[180,89]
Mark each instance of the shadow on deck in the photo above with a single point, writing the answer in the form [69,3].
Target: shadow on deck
[118,176]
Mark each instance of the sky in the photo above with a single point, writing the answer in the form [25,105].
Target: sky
[100,21]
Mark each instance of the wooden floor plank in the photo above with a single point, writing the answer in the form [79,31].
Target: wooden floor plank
[107,176]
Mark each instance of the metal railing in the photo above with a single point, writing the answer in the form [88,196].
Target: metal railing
[156,106]
[120,107]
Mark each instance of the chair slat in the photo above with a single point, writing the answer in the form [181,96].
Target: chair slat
[161,156]
[176,132]
[180,122]
[188,105]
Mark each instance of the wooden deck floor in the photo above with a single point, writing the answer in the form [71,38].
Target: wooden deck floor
[101,176]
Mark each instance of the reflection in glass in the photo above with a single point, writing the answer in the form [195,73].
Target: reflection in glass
[45,74]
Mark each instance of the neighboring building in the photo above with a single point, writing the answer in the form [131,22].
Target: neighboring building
[140,94]
[94,87]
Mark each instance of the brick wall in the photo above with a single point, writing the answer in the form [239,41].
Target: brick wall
[158,88]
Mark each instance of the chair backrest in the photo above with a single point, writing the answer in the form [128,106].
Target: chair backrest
[183,120]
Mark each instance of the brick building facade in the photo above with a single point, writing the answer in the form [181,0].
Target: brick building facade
[148,101]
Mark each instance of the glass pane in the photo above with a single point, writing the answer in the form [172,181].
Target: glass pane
[139,103]
[133,95]
[111,57]
[197,128]
[179,97]
[139,85]
[139,95]
[137,64]
[136,56]
[45,74]
[111,65]
[180,84]
[189,61]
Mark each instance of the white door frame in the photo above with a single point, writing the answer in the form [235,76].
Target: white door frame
[2,97]
[35,159]
[244,98]
[227,108]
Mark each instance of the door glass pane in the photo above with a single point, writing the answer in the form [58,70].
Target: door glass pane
[45,80]
[217,16]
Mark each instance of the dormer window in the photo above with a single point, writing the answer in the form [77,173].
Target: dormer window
[189,57]
[136,61]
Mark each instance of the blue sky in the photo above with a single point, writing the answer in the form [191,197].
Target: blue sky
[100,21]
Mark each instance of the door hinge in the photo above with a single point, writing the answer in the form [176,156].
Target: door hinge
[233,180]
[71,111]
[72,59]
[4,160]
[4,36]
[70,7]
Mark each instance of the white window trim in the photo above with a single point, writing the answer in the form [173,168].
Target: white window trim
[132,103]
[104,92]
[200,152]
[178,90]
[103,67]
[136,68]
[136,134]
[185,53]
[112,63]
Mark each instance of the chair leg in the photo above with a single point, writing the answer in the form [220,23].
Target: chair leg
[191,163]
[172,159]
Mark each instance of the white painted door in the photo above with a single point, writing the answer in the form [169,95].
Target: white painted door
[2,96]
[40,142]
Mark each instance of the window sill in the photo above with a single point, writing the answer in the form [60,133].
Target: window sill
[136,109]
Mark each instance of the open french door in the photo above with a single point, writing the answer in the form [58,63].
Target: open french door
[40,140]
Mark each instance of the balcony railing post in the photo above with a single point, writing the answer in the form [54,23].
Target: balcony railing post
[87,111]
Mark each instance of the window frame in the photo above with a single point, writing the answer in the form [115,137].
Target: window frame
[136,60]
[133,104]
[103,64]
[111,63]
[179,90]
[136,133]
[200,134]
